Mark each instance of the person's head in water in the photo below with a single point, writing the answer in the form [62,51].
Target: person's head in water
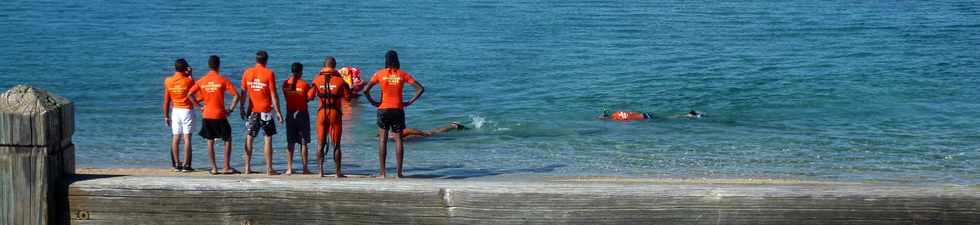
[214,62]
[694,114]
[605,113]
[181,65]
[391,60]
[262,57]
[330,62]
[458,126]
[297,69]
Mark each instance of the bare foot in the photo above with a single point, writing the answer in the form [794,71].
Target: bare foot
[306,172]
[400,176]
[321,175]
[271,172]
[340,175]
[288,172]
[382,176]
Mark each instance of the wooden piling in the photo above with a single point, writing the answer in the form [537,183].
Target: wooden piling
[36,153]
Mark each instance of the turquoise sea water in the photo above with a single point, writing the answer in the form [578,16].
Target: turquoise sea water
[817,90]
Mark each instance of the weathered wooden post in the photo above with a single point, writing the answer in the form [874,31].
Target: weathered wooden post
[36,152]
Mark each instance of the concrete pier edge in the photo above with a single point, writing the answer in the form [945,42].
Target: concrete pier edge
[274,200]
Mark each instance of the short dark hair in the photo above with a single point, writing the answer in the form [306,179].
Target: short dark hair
[391,60]
[181,65]
[297,69]
[214,62]
[262,57]
[330,62]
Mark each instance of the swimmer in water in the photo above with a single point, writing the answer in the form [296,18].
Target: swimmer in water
[625,116]
[634,116]
[689,115]
[408,133]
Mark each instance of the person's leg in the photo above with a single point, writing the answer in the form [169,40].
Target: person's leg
[335,134]
[397,127]
[319,155]
[228,169]
[304,154]
[291,139]
[269,128]
[399,154]
[382,149]
[214,164]
[304,136]
[248,154]
[268,155]
[187,151]
[321,139]
[174,152]
[289,156]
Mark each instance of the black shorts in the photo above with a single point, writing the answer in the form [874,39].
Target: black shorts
[298,127]
[215,129]
[255,122]
[391,119]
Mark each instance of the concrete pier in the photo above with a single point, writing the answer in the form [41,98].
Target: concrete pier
[239,200]
[36,153]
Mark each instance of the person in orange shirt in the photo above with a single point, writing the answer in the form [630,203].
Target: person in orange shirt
[181,118]
[391,114]
[331,89]
[212,88]
[295,90]
[259,88]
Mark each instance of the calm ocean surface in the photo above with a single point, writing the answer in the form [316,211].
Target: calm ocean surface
[818,90]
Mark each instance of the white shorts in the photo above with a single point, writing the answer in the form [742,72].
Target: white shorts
[181,121]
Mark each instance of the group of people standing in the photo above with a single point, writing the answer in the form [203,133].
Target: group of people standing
[260,110]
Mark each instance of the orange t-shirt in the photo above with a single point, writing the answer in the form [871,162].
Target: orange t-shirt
[260,83]
[339,89]
[392,82]
[212,88]
[295,93]
[175,88]
[627,116]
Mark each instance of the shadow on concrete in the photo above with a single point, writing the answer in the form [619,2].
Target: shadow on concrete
[463,173]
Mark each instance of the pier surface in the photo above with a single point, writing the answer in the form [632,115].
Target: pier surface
[235,199]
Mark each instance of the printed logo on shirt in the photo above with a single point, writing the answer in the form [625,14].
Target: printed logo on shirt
[392,79]
[257,84]
[178,89]
[210,87]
